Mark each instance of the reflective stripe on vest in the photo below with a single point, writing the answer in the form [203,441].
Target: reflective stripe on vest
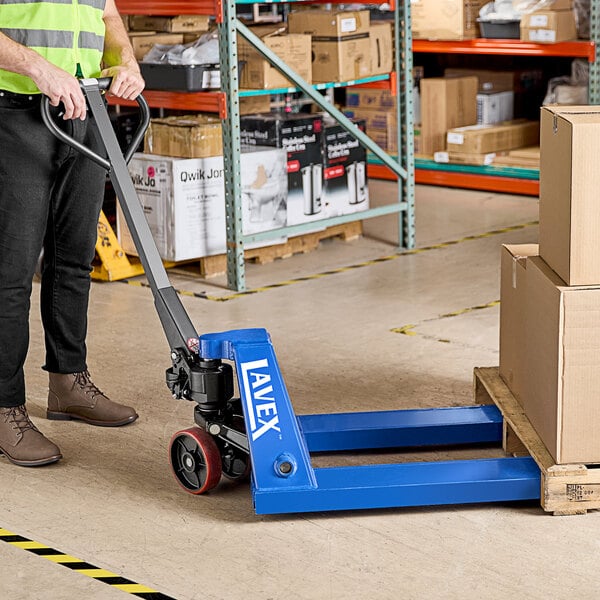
[64,32]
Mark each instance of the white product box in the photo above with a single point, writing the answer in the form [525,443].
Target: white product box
[184,201]
[495,107]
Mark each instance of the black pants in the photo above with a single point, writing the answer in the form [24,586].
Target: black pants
[50,197]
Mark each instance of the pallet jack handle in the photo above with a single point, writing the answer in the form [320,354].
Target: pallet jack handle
[103,84]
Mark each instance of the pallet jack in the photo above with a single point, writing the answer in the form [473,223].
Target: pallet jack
[259,435]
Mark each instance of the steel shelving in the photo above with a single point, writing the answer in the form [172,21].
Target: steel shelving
[226,104]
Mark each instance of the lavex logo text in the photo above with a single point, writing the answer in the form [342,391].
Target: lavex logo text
[260,402]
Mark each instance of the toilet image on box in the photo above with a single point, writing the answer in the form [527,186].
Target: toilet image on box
[312,186]
[357,182]
[266,196]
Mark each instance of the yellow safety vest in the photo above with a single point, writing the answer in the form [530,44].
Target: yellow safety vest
[67,33]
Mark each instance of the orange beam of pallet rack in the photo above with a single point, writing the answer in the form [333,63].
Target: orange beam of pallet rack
[507,185]
[170,7]
[583,49]
[196,101]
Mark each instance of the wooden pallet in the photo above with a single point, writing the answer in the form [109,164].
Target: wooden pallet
[570,489]
[210,266]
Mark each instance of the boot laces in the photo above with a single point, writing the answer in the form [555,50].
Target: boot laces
[83,380]
[20,419]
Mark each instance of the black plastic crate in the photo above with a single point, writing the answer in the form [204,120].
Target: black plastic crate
[182,78]
[506,30]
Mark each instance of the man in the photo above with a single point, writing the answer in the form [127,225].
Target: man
[50,198]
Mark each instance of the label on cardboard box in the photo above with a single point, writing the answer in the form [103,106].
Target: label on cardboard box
[538,20]
[455,138]
[542,35]
[348,24]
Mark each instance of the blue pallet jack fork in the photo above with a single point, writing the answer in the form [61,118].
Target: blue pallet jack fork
[259,435]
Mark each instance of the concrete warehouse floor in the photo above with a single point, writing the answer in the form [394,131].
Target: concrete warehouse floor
[113,503]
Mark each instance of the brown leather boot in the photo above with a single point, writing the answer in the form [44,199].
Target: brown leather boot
[74,396]
[21,442]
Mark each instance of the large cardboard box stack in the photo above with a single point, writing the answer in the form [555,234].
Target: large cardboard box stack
[550,304]
[299,135]
[445,19]
[341,48]
[184,200]
[446,102]
[293,48]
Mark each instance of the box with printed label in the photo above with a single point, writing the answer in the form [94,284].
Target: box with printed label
[445,103]
[345,186]
[341,48]
[569,184]
[294,49]
[300,136]
[184,201]
[445,19]
[482,139]
[549,26]
[178,24]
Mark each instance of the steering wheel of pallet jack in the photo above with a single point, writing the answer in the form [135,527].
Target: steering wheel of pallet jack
[195,460]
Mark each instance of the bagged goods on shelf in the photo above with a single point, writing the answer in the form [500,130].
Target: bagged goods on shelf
[294,49]
[445,19]
[445,103]
[481,139]
[340,42]
[570,90]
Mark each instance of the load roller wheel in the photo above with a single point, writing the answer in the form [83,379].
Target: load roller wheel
[195,460]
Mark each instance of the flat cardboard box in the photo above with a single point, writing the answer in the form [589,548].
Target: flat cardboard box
[341,48]
[382,49]
[294,49]
[458,158]
[569,184]
[495,107]
[481,139]
[549,26]
[184,201]
[445,19]
[562,365]
[445,103]
[177,24]
[143,41]
[189,136]
[513,320]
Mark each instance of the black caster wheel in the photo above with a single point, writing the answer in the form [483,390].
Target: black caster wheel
[234,463]
[195,460]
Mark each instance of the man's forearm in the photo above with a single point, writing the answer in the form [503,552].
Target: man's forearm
[19,59]
[117,47]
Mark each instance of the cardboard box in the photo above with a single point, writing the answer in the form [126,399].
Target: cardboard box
[143,41]
[345,186]
[445,103]
[481,139]
[382,48]
[458,158]
[549,26]
[251,105]
[381,123]
[178,24]
[190,136]
[495,107]
[340,42]
[370,98]
[300,136]
[513,318]
[294,49]
[569,184]
[184,201]
[562,366]
[445,19]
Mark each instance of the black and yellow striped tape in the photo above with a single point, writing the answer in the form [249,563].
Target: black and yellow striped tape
[366,263]
[410,328]
[80,566]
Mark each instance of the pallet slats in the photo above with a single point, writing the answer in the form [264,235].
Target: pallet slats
[566,489]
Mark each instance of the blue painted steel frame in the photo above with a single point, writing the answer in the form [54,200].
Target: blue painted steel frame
[284,481]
